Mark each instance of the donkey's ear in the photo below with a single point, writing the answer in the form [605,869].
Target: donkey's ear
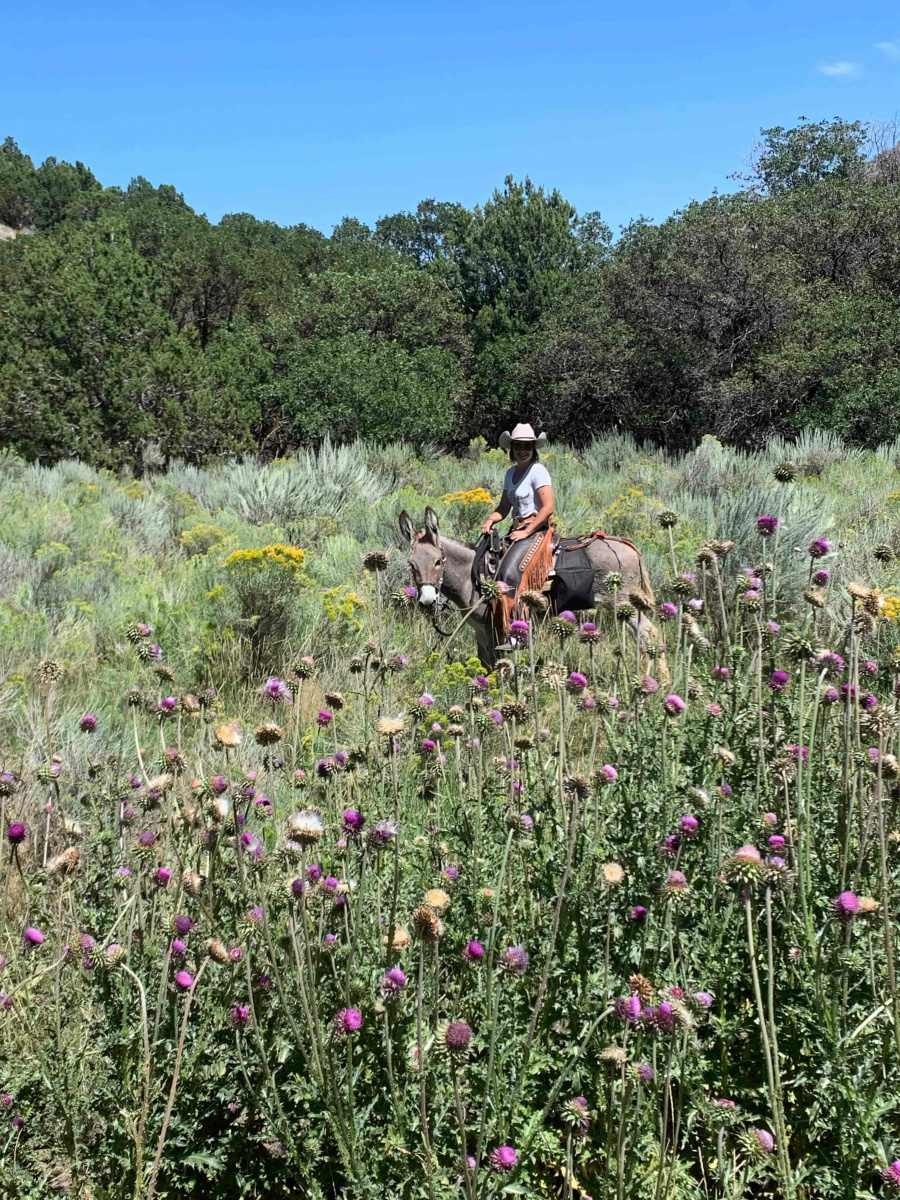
[431,526]
[407,529]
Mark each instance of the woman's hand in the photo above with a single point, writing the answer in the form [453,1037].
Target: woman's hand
[488,526]
[523,531]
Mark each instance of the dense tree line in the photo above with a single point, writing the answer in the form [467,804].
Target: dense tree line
[133,326]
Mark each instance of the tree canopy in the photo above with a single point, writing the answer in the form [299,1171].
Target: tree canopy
[130,319]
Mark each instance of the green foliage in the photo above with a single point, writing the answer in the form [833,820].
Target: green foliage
[135,332]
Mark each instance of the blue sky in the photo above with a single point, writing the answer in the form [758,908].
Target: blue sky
[299,112]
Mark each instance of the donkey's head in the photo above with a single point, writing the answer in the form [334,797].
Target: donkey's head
[426,555]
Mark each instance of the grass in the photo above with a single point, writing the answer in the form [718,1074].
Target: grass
[325,911]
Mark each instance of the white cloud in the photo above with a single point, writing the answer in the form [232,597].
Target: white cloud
[839,68]
[891,49]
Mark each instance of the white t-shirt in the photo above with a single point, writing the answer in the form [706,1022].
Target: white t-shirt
[523,495]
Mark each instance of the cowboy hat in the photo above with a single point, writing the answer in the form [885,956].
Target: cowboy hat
[523,433]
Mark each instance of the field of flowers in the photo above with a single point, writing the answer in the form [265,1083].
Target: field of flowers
[298,901]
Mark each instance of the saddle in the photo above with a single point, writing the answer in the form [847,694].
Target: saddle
[570,582]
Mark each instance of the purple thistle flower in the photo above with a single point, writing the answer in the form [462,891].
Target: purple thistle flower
[496,716]
[428,746]
[891,1175]
[503,1159]
[474,951]
[219,784]
[778,680]
[821,577]
[830,695]
[638,914]
[277,691]
[674,705]
[689,825]
[393,982]
[347,1021]
[324,718]
[765,1139]
[162,877]
[576,683]
[123,872]
[297,886]
[353,821]
[776,842]
[183,924]
[178,947]
[644,1072]
[457,1036]
[588,627]
[184,980]
[869,667]
[88,723]
[16,833]
[819,547]
[426,700]
[703,999]
[845,906]
[519,629]
[628,1008]
[766,526]
[18,1122]
[382,834]
[32,938]
[667,610]
[649,686]
[515,960]
[240,1016]
[235,953]
[607,774]
[156,651]
[167,706]
[566,615]
[721,673]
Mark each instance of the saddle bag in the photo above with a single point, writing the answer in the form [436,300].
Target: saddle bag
[573,581]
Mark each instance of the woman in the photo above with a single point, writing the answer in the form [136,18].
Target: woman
[528,496]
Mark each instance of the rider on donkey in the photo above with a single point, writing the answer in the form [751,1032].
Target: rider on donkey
[528,495]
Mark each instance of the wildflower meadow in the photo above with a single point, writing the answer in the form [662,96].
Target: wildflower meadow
[299,900]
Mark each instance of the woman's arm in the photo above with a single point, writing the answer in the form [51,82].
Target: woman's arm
[501,511]
[544,497]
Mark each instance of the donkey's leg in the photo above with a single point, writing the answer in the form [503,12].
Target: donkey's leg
[646,635]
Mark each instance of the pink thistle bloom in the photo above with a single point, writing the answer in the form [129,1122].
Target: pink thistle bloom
[890,1175]
[576,683]
[714,710]
[766,526]
[16,833]
[846,906]
[184,980]
[568,616]
[667,611]
[628,1008]
[503,1159]
[88,723]
[674,705]
[638,914]
[765,1139]
[167,706]
[819,547]
[347,1021]
[428,746]
[474,951]
[778,680]
[32,938]
[426,700]
[821,577]
[519,629]
[649,686]
[689,825]
[720,673]
[240,1016]
[869,667]
[607,774]
[162,877]
[324,719]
